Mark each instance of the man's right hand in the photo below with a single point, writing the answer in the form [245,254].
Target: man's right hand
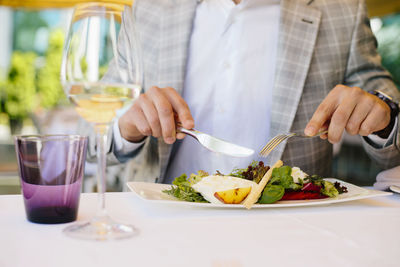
[155,113]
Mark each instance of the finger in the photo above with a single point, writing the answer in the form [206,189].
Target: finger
[179,106]
[140,121]
[180,135]
[358,116]
[321,115]
[324,128]
[377,119]
[340,118]
[133,124]
[151,115]
[165,114]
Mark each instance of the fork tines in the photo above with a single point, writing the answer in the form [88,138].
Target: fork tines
[274,142]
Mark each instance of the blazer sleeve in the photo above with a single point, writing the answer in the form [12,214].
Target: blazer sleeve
[364,70]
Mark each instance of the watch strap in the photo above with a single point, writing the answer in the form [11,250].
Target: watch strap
[394,111]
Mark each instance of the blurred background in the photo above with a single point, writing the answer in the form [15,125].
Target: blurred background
[32,101]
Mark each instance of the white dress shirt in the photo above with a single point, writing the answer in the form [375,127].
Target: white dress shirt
[229,79]
[228,84]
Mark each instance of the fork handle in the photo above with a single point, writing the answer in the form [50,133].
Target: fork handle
[317,134]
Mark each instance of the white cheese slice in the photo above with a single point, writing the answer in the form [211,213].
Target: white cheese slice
[298,174]
[215,183]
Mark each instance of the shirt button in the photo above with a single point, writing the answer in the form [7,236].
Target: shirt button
[226,65]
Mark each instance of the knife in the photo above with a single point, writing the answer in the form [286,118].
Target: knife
[217,145]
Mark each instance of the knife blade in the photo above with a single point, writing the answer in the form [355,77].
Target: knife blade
[217,145]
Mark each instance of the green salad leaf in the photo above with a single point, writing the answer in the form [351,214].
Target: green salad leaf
[314,179]
[271,194]
[282,171]
[281,179]
[195,178]
[329,189]
[254,172]
[182,189]
[282,176]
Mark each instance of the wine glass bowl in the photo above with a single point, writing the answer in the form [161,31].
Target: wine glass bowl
[101,73]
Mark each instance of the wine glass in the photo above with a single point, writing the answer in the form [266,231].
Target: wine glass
[101,73]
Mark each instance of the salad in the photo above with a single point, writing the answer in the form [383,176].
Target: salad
[257,183]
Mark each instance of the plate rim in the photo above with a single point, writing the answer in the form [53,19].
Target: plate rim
[395,188]
[365,193]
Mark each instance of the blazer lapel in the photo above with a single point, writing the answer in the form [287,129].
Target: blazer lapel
[299,24]
[175,28]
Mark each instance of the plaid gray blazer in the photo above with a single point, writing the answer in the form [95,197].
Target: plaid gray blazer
[322,43]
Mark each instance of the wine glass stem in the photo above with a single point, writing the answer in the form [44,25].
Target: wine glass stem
[101,139]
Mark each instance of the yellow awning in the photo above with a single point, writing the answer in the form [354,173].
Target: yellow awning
[378,8]
[55,3]
[375,7]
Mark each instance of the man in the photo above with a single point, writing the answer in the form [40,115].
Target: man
[248,70]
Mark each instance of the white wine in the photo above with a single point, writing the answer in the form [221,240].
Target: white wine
[98,103]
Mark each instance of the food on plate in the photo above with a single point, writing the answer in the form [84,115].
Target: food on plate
[182,188]
[255,184]
[209,185]
[233,196]
[255,194]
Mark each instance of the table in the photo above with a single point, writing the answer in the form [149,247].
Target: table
[359,233]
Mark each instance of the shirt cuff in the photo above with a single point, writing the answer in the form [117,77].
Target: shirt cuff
[383,142]
[122,146]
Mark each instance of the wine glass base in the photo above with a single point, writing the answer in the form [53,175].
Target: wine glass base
[101,228]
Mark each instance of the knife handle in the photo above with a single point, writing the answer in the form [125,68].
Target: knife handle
[191,132]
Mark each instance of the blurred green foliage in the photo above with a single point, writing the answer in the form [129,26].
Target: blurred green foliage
[28,87]
[389,45]
[48,80]
[18,92]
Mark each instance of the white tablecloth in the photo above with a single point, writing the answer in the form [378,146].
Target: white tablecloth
[359,233]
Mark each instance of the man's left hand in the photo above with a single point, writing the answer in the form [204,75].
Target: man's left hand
[349,108]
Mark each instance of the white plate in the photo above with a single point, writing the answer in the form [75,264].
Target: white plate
[153,192]
[395,188]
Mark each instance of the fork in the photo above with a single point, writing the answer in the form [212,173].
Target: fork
[274,142]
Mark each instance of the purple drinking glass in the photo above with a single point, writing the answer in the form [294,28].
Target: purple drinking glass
[51,169]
